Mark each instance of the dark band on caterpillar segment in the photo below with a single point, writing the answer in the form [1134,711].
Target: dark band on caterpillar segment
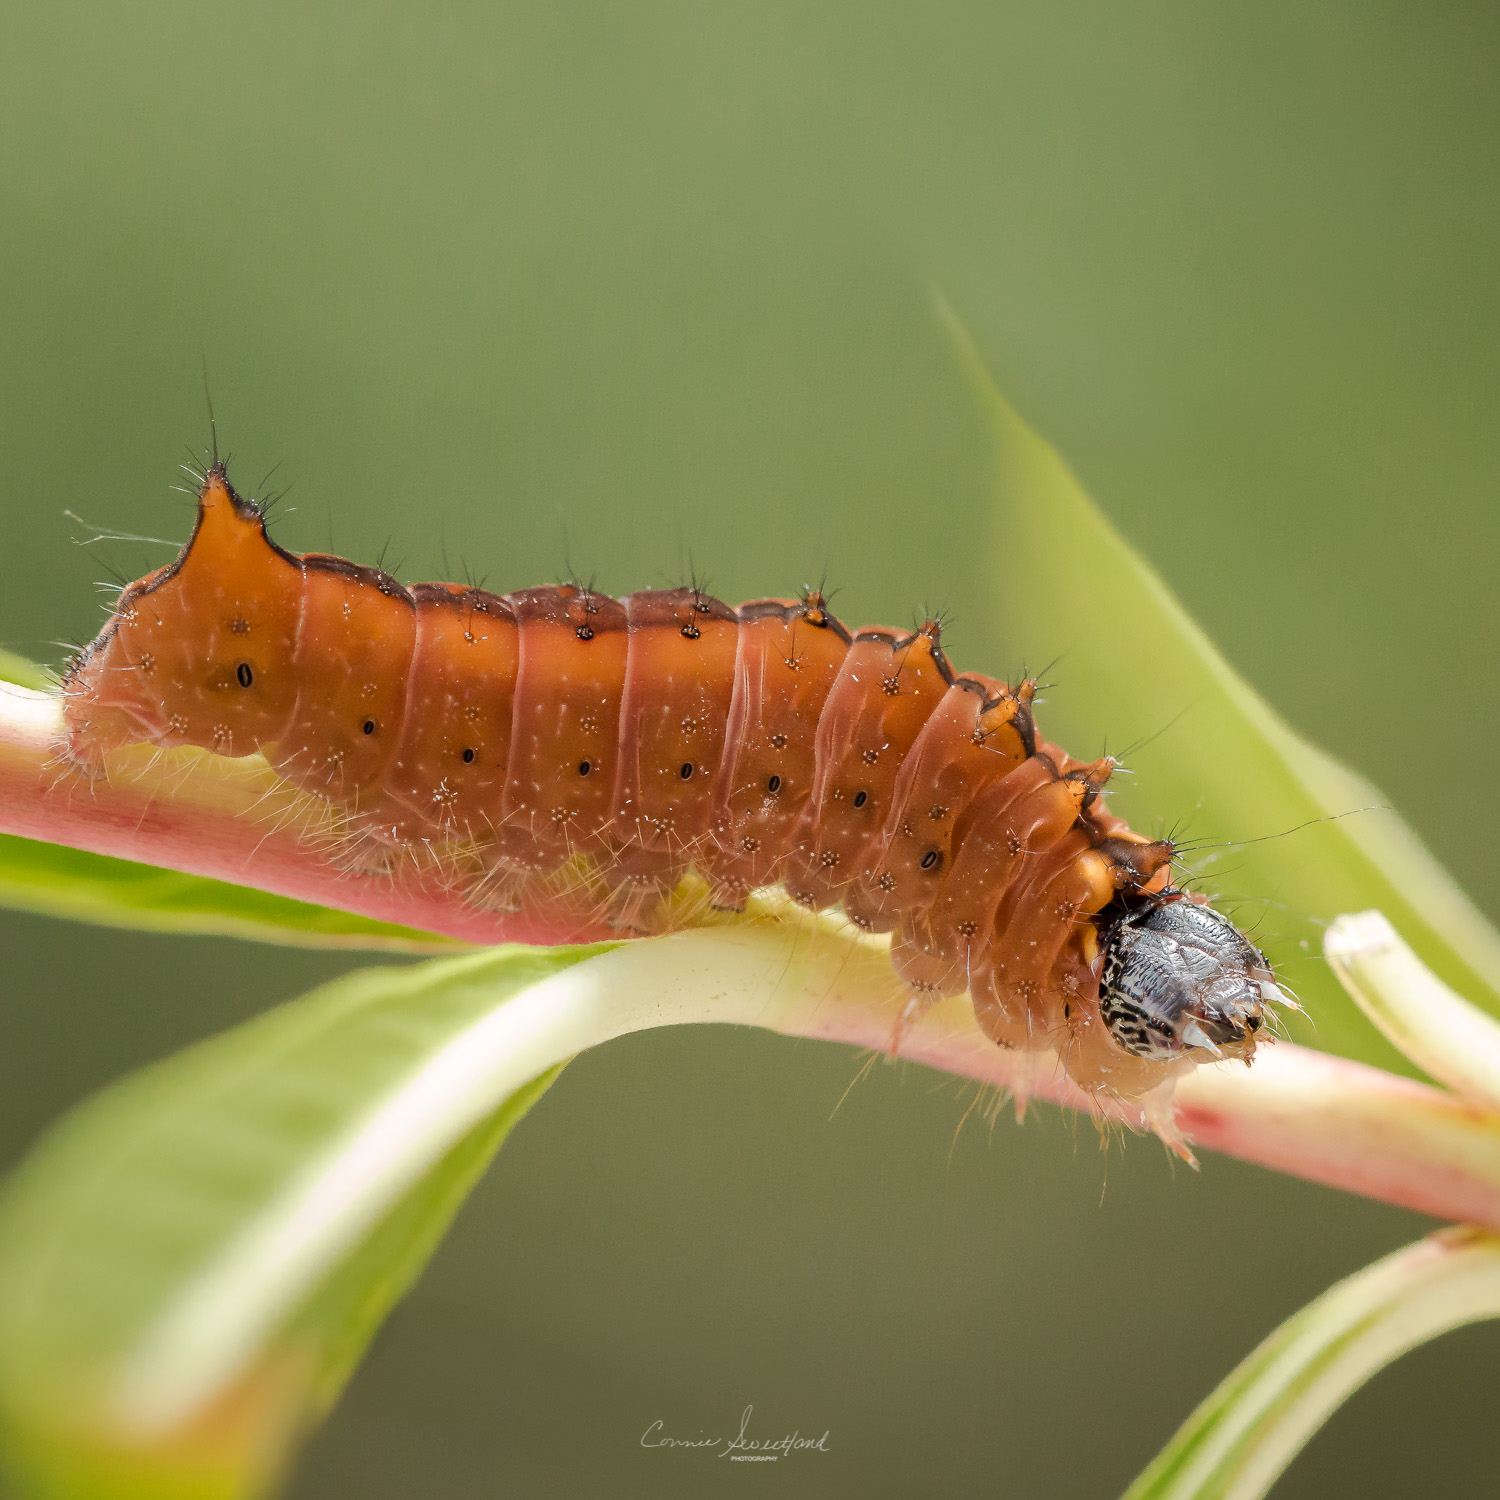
[637,738]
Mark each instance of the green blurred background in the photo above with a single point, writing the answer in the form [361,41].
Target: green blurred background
[630,291]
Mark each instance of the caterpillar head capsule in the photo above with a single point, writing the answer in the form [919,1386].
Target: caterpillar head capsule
[195,653]
[1179,976]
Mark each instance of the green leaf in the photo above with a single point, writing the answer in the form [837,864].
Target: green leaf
[23,673]
[57,881]
[192,1263]
[1239,1441]
[1138,668]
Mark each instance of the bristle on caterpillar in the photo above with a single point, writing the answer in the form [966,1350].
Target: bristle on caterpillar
[598,750]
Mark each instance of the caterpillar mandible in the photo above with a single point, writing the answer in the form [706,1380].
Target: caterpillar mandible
[556,728]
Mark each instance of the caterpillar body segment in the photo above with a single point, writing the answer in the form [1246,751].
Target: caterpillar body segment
[626,741]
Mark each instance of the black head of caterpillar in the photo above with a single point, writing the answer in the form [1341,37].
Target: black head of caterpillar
[1179,975]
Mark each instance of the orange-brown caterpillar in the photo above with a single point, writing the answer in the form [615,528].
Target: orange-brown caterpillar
[761,745]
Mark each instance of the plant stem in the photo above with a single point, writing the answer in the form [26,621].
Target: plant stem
[1320,1117]
[1240,1440]
[1451,1040]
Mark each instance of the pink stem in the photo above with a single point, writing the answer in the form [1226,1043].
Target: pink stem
[1306,1113]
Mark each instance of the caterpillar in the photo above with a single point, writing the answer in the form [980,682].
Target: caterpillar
[557,729]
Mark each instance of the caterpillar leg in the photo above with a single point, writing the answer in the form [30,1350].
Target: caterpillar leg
[1004,1024]
[864,908]
[364,851]
[501,887]
[514,865]
[919,998]
[632,902]
[727,894]
[636,884]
